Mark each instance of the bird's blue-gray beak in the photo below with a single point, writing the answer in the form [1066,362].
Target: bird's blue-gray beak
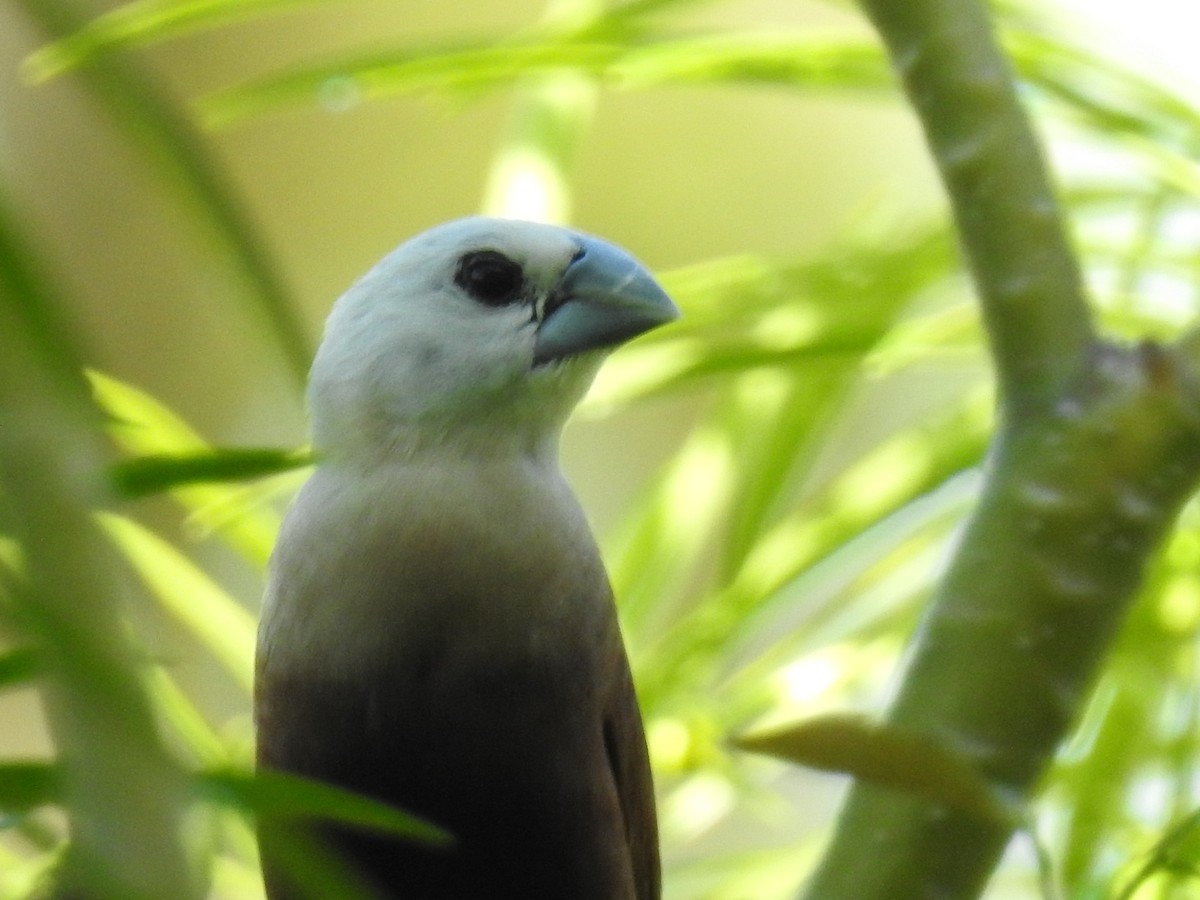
[604,298]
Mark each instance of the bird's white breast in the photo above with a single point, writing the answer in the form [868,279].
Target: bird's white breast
[485,564]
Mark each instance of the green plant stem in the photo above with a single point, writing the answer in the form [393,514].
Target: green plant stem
[125,798]
[1098,448]
[1007,216]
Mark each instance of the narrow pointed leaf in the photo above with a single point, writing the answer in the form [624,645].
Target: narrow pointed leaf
[142,426]
[280,795]
[887,755]
[405,70]
[18,666]
[215,619]
[171,143]
[143,22]
[153,474]
[27,785]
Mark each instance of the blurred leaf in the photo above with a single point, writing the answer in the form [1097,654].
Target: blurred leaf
[1130,727]
[143,22]
[1115,732]
[773,872]
[185,722]
[769,536]
[909,465]
[27,878]
[153,474]
[1109,98]
[1178,851]
[802,60]
[886,755]
[237,878]
[722,532]
[214,618]
[780,438]
[354,79]
[68,607]
[28,785]
[811,60]
[141,425]
[671,532]
[637,8]
[171,144]
[529,176]
[811,609]
[18,666]
[751,312]
[28,294]
[279,795]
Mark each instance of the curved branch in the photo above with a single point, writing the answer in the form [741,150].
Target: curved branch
[1008,219]
[1098,450]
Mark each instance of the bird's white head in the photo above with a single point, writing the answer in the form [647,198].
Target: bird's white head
[479,333]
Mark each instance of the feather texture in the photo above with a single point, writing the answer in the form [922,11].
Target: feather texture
[438,630]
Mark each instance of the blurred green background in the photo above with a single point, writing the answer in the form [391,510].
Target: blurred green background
[774,480]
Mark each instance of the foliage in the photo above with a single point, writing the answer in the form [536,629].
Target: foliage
[771,573]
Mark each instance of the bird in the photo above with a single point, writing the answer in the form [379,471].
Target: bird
[438,629]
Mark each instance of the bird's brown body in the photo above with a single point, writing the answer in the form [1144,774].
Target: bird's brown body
[504,711]
[438,631]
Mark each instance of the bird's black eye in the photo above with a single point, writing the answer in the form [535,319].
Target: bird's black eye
[489,277]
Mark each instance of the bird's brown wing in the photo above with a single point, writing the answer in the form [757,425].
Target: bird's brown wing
[625,744]
[499,704]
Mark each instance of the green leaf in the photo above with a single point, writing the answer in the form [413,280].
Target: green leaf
[161,472]
[809,606]
[637,8]
[284,796]
[886,755]
[1111,99]
[171,143]
[748,58]
[184,720]
[27,785]
[18,666]
[752,312]
[143,22]
[353,79]
[141,425]
[811,60]
[32,301]
[1176,852]
[213,617]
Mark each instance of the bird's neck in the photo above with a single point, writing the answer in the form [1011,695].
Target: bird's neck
[369,445]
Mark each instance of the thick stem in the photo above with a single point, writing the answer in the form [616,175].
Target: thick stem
[125,797]
[1099,447]
[1008,219]
[1074,506]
